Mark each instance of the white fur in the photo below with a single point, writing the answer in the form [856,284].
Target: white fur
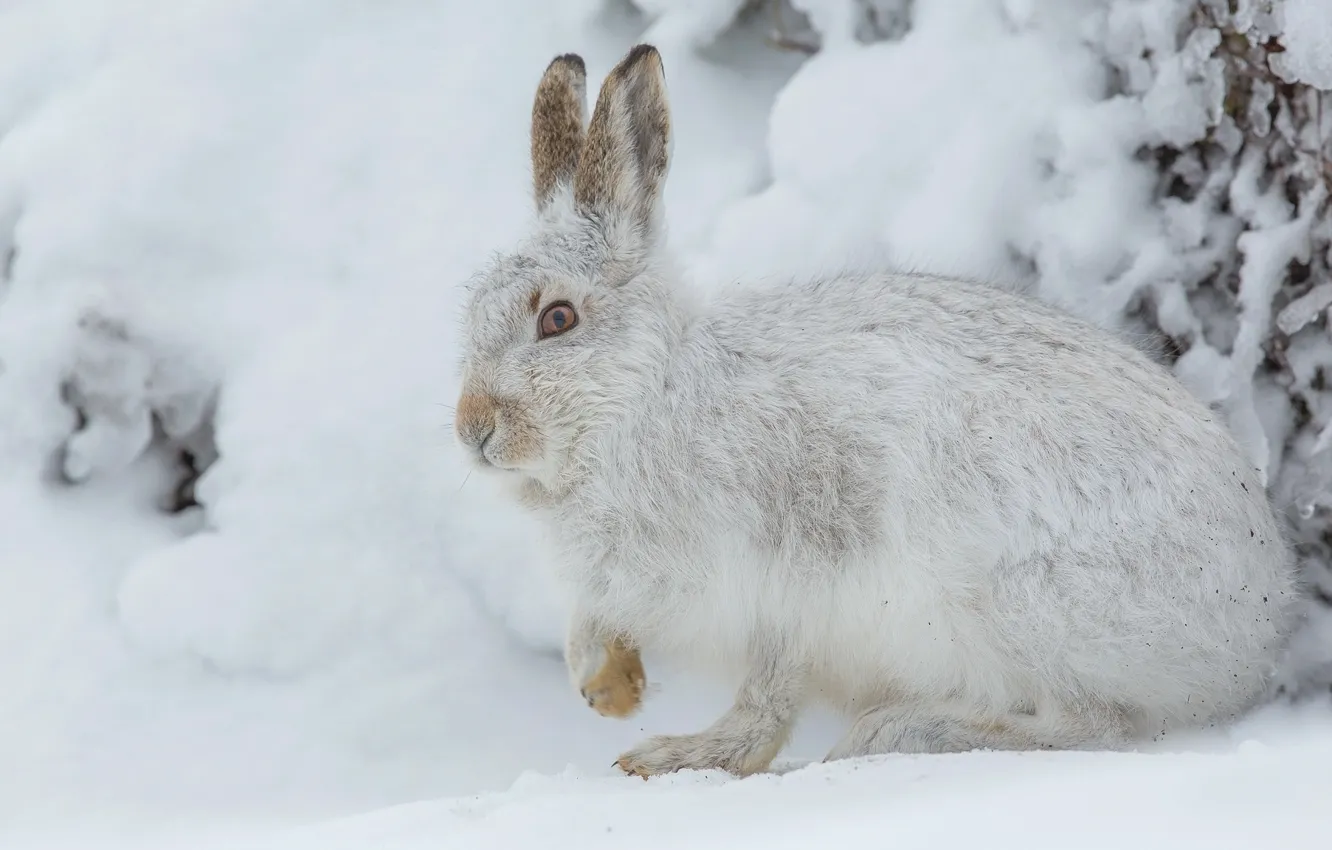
[957,514]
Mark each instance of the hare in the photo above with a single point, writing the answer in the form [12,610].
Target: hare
[954,513]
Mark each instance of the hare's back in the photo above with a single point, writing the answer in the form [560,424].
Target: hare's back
[1034,425]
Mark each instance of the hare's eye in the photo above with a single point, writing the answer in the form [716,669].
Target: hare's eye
[556,319]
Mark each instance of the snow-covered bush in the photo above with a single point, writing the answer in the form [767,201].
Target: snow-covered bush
[1234,93]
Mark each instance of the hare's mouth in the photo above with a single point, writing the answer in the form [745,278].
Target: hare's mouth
[484,461]
[494,459]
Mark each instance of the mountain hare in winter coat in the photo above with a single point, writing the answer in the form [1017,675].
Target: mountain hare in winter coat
[960,516]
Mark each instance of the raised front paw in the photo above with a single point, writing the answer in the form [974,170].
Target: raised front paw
[612,679]
[669,753]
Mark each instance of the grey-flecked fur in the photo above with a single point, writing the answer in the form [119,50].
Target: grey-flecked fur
[957,514]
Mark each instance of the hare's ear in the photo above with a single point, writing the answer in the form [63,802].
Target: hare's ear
[624,163]
[558,116]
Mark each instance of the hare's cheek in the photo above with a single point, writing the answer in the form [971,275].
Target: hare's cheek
[520,440]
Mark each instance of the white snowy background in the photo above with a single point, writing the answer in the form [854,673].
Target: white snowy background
[250,219]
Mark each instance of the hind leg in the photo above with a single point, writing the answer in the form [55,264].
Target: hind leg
[954,728]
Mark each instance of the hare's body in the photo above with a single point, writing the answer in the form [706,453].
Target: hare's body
[947,492]
[955,513]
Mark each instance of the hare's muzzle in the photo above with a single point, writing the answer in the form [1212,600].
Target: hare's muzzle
[475,423]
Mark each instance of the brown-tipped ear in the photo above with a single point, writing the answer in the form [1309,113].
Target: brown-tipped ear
[624,164]
[558,117]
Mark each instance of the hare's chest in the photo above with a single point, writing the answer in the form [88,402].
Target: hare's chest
[640,585]
[641,578]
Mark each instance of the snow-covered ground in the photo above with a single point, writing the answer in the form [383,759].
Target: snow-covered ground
[280,199]
[1253,796]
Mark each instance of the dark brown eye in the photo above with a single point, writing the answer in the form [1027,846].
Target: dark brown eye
[557,318]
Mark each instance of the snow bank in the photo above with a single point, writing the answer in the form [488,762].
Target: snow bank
[251,196]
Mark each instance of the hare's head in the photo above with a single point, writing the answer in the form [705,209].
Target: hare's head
[570,329]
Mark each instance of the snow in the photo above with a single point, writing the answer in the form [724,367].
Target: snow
[1307,28]
[1252,794]
[1040,801]
[249,221]
[1303,310]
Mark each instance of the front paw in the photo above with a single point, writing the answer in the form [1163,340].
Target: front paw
[669,753]
[612,680]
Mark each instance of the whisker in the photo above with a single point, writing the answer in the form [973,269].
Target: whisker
[465,480]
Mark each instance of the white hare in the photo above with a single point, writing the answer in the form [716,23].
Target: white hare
[963,518]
